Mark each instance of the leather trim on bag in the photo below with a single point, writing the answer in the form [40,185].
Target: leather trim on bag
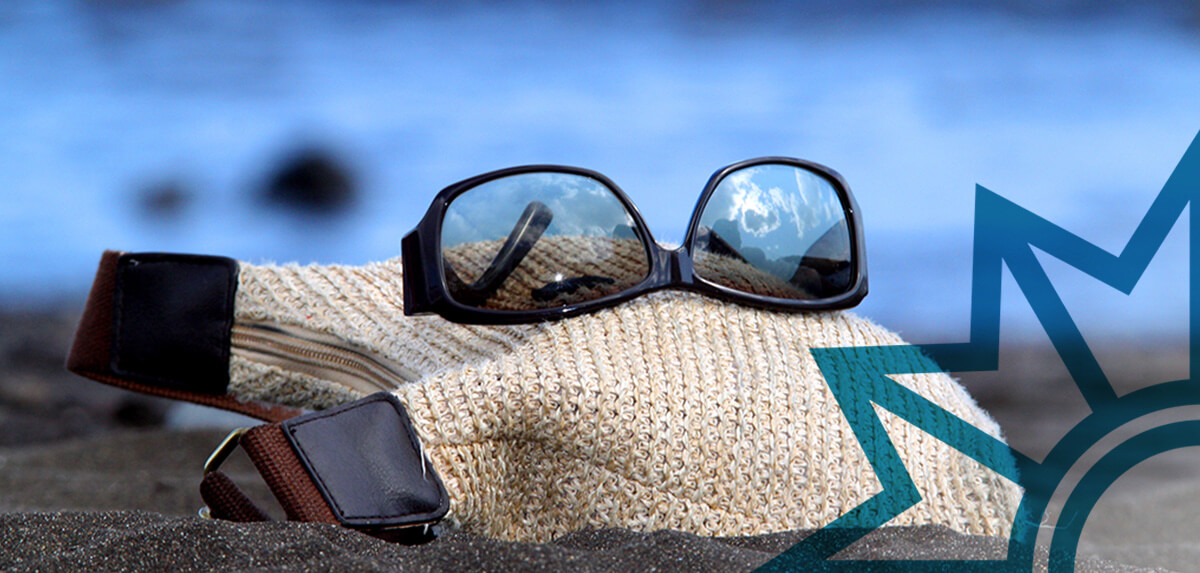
[172,316]
[366,459]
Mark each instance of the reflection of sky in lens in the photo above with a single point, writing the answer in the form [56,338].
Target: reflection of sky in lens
[581,206]
[777,208]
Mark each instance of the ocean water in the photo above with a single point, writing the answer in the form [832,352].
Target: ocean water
[1078,114]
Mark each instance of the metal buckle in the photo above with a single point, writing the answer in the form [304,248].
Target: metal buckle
[218,457]
[222,452]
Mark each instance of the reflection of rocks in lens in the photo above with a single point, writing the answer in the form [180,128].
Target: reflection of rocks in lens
[809,280]
[312,180]
[755,256]
[728,231]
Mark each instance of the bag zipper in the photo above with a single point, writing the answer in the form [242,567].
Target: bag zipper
[317,354]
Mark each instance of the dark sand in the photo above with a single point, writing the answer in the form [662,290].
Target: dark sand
[88,481]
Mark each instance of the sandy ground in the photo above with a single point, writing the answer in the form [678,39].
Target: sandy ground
[90,479]
[1151,515]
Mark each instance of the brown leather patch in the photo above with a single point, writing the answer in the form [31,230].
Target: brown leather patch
[172,316]
[366,460]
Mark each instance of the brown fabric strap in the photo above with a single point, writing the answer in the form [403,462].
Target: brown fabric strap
[279,466]
[226,501]
[277,463]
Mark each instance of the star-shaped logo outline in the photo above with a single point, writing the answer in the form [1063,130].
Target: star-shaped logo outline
[1005,235]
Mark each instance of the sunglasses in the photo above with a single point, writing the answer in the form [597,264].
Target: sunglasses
[543,242]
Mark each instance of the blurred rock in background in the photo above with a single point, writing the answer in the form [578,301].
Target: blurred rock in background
[312,180]
[165,200]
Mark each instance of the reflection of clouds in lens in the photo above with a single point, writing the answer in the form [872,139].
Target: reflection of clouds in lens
[759,222]
[758,211]
[778,209]
[754,209]
[456,229]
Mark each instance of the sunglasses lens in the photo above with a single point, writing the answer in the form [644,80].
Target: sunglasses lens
[775,230]
[540,240]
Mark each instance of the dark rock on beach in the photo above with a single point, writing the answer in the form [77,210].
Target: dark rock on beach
[312,180]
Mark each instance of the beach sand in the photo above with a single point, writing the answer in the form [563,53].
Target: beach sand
[91,480]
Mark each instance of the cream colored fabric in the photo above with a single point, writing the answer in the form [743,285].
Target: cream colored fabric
[669,411]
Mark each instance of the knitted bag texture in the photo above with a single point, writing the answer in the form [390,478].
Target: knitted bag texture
[673,410]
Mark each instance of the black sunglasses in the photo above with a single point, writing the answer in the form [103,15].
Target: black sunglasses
[543,242]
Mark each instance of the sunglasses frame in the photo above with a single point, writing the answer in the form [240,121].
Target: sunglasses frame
[425,284]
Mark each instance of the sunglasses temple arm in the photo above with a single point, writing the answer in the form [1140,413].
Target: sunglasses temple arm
[525,234]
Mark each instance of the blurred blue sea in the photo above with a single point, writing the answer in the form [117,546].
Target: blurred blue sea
[1076,110]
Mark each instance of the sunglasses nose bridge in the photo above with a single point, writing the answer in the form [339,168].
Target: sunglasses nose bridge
[682,271]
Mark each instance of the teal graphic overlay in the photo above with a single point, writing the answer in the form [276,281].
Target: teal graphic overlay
[1005,235]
